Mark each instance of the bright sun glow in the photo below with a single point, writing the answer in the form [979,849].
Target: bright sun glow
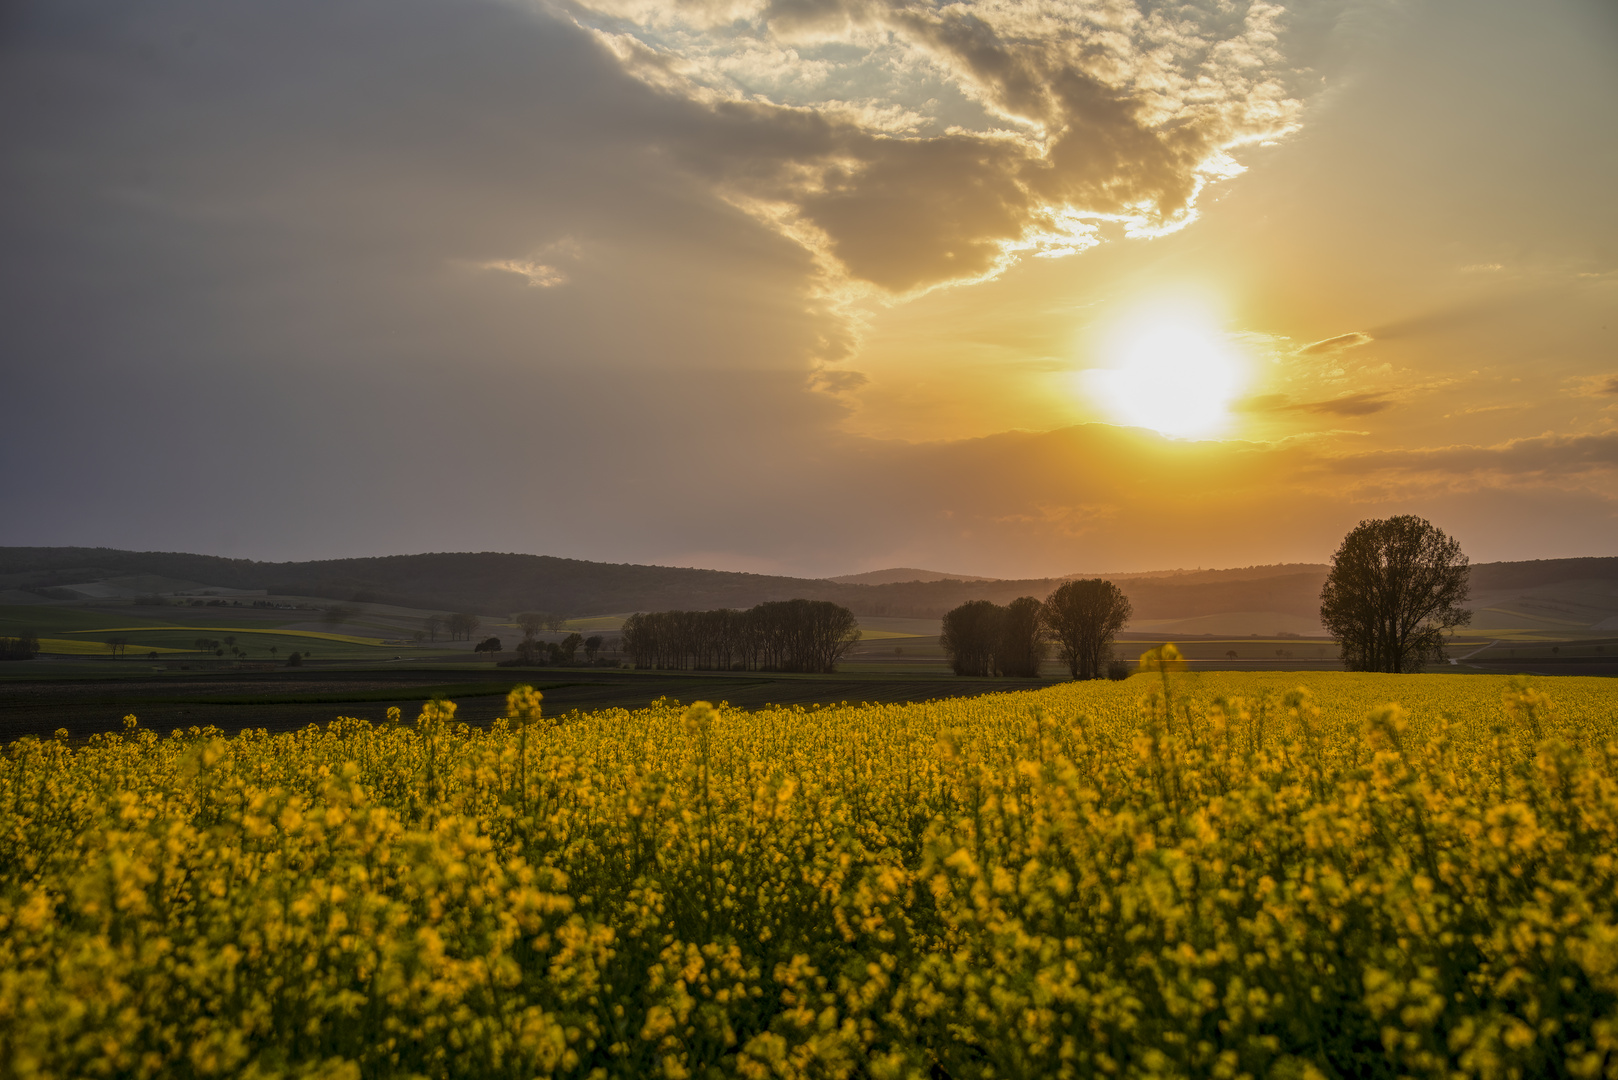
[1172,373]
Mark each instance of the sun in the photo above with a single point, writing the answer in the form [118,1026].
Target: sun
[1173,372]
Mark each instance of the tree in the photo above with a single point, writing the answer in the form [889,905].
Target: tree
[489,645]
[592,645]
[1085,616]
[1022,638]
[23,647]
[778,635]
[463,624]
[569,647]
[337,614]
[1394,592]
[532,622]
[971,636]
[433,624]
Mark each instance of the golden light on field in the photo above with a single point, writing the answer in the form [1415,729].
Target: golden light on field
[1172,371]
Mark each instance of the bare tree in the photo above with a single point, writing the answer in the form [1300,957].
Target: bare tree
[1394,592]
[532,622]
[1085,616]
[433,624]
[463,624]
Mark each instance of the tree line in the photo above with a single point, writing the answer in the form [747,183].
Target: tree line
[1391,600]
[23,647]
[778,635]
[1081,618]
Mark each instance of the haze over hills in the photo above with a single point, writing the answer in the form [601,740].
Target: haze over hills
[1560,595]
[902,574]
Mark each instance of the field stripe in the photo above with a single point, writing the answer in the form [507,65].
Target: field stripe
[233,630]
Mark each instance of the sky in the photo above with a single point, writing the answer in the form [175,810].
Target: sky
[1003,287]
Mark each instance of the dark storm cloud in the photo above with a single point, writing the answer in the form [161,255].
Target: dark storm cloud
[267,284]
[302,179]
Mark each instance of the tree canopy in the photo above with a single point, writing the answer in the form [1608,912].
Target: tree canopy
[1394,592]
[1085,616]
[982,638]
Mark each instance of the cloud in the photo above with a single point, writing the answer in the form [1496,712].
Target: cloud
[1547,455]
[910,145]
[1361,404]
[1596,385]
[537,273]
[1336,344]
[837,381]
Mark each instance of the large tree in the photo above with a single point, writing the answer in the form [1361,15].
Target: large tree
[971,637]
[1394,592]
[1085,616]
[1022,638]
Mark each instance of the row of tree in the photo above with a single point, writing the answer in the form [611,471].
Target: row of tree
[460,626]
[1080,617]
[1391,600]
[779,635]
[22,647]
[531,651]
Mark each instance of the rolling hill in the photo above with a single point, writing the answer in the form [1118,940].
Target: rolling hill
[1555,595]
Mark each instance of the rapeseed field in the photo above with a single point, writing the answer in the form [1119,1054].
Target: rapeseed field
[1229,875]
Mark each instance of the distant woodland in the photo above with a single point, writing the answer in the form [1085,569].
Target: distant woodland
[492,582]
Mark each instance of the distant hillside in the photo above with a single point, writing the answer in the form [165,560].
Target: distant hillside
[901,574]
[500,584]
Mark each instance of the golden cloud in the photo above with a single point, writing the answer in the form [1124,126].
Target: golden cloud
[909,146]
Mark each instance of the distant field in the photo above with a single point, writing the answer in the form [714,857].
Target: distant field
[316,634]
[81,647]
[47,619]
[82,632]
[594,623]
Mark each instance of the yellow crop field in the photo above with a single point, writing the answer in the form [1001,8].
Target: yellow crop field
[348,639]
[80,647]
[1228,875]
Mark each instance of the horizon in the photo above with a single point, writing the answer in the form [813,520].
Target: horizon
[810,291]
[944,575]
